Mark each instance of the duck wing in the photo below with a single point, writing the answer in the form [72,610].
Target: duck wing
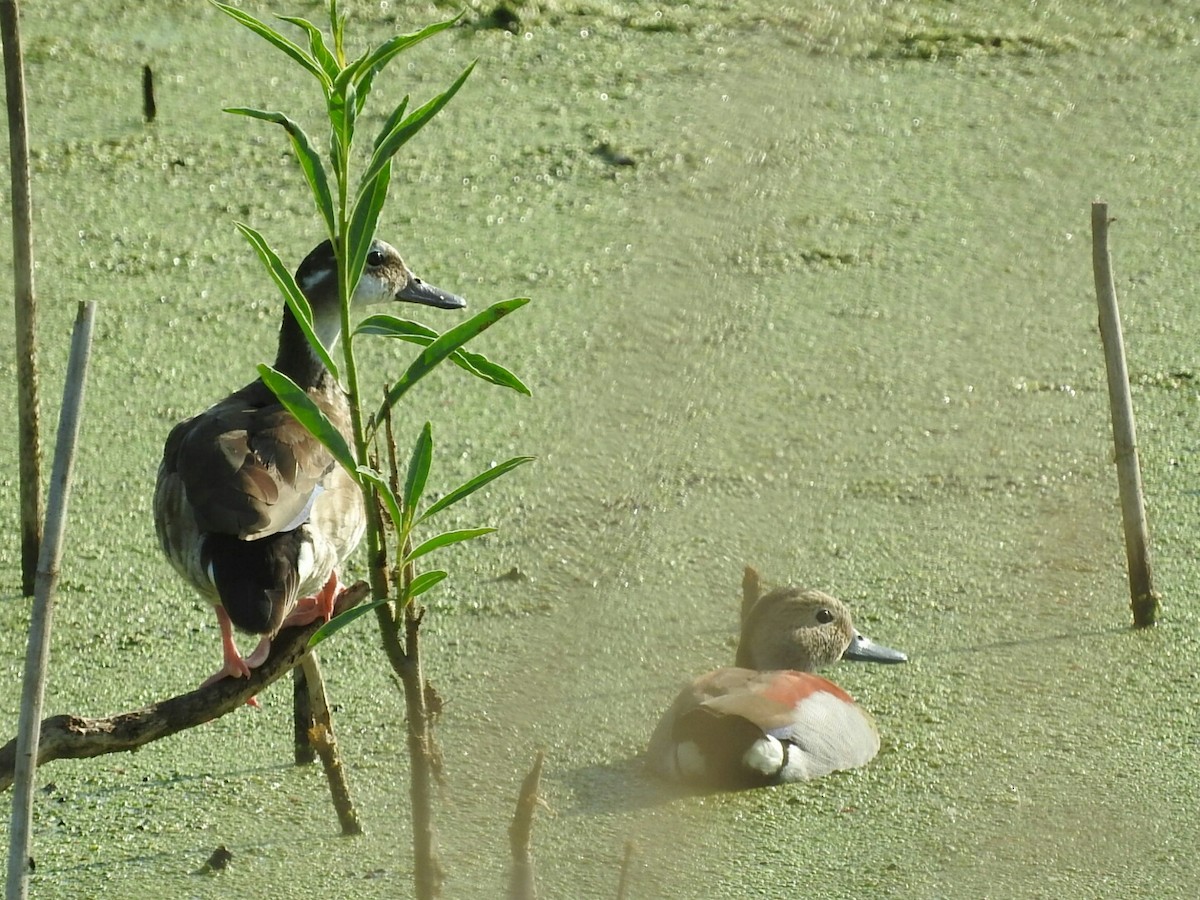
[738,728]
[246,466]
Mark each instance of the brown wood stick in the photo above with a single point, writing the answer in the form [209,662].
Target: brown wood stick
[1144,600]
[80,737]
[322,739]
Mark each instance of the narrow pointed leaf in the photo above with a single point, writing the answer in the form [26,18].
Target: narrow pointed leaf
[424,582]
[337,623]
[343,112]
[308,414]
[265,31]
[392,326]
[446,538]
[337,27]
[477,364]
[390,503]
[310,162]
[286,283]
[363,221]
[470,487]
[317,47]
[393,120]
[349,76]
[410,125]
[384,53]
[446,344]
[418,470]
[482,367]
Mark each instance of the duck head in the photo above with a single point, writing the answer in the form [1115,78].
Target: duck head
[385,278]
[803,630]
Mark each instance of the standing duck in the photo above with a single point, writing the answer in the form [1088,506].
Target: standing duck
[249,507]
[770,720]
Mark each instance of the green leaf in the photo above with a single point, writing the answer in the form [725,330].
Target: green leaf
[337,27]
[317,47]
[388,146]
[386,494]
[393,120]
[349,77]
[337,623]
[470,487]
[265,31]
[445,538]
[418,470]
[424,582]
[342,111]
[383,54]
[296,300]
[477,364]
[363,221]
[445,344]
[482,367]
[392,326]
[307,413]
[310,162]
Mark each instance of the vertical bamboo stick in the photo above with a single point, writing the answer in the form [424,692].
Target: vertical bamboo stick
[38,651]
[1144,599]
[23,300]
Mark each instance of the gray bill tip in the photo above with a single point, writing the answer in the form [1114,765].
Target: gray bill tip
[863,649]
[418,291]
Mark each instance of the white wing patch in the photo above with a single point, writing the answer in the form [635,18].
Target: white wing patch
[827,735]
[302,516]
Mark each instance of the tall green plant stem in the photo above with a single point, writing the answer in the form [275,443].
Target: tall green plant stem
[405,658]
[406,663]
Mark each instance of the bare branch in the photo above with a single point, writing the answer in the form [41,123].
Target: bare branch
[77,737]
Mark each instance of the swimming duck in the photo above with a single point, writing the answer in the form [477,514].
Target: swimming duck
[249,507]
[770,720]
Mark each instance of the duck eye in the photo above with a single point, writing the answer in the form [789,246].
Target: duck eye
[824,616]
[375,258]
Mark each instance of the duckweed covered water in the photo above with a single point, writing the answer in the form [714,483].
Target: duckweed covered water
[812,291]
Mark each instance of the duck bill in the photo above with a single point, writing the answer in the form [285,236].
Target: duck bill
[418,291]
[863,649]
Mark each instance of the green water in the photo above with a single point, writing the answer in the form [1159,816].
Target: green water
[837,321]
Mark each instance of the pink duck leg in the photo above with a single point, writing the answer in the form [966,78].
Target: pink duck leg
[308,609]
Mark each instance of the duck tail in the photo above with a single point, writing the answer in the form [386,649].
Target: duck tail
[257,581]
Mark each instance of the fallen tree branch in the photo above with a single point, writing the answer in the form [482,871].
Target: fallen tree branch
[77,737]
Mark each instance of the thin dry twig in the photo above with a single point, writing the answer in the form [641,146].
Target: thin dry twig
[522,884]
[751,590]
[302,720]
